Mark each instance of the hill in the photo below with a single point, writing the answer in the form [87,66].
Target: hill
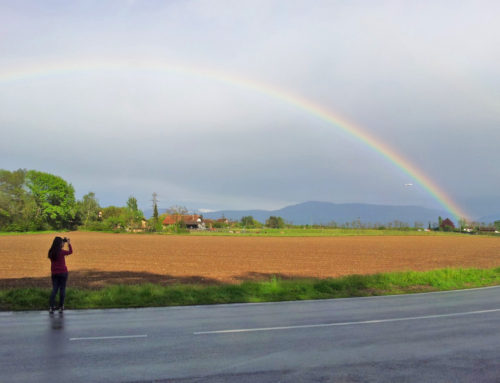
[489,218]
[309,213]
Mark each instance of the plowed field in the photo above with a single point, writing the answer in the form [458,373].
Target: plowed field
[102,259]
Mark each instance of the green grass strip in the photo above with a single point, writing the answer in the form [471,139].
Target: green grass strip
[11,233]
[274,290]
[320,232]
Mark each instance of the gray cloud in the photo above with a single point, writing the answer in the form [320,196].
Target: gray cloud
[421,78]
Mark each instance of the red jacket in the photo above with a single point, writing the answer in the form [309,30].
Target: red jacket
[58,265]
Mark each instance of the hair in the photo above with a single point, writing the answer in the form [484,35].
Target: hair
[55,248]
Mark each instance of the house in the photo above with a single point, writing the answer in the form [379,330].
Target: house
[486,229]
[192,221]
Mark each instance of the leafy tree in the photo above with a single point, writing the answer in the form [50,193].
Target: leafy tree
[16,203]
[88,208]
[54,200]
[219,225]
[162,217]
[115,223]
[132,203]
[11,191]
[154,225]
[462,223]
[446,225]
[133,214]
[497,224]
[115,218]
[247,221]
[275,222]
[112,211]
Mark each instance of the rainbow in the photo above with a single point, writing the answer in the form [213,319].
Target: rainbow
[333,119]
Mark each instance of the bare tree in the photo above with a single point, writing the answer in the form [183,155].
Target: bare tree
[176,209]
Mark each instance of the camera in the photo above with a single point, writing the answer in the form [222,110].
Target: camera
[65,239]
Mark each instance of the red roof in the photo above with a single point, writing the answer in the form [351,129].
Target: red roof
[175,218]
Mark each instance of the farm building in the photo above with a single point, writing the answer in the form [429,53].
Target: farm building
[192,221]
[216,223]
[486,229]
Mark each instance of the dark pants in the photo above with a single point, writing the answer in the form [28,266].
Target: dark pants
[58,283]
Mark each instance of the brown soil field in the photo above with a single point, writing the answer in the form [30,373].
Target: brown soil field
[101,259]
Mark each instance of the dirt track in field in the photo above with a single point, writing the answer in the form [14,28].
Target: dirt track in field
[102,259]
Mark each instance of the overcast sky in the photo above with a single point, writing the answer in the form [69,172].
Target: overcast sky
[421,77]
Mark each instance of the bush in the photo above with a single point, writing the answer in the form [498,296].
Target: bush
[177,228]
[275,222]
[220,225]
[154,226]
[14,227]
[94,226]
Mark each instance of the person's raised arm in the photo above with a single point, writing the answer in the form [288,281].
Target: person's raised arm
[70,248]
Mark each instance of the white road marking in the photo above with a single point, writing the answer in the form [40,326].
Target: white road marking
[109,337]
[347,323]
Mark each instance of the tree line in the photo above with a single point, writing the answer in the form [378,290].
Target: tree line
[272,222]
[31,200]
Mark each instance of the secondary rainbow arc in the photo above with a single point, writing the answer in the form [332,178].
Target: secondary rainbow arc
[297,101]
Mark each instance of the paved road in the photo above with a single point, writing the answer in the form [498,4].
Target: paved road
[439,337]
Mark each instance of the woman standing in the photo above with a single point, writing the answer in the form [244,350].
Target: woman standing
[59,271]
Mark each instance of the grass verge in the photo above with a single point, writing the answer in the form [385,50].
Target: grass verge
[274,290]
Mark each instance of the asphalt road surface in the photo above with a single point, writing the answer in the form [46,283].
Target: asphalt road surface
[437,337]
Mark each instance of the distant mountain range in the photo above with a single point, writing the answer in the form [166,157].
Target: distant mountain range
[310,213]
[489,218]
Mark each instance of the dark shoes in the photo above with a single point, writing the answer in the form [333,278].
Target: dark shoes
[51,310]
[61,309]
